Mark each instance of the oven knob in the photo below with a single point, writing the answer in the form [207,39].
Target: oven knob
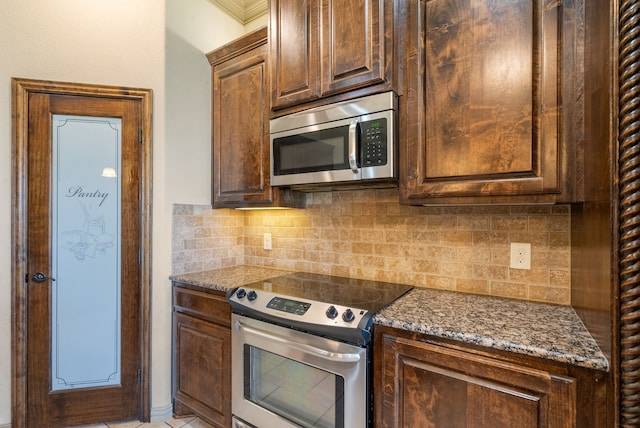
[241,293]
[348,315]
[332,312]
[252,295]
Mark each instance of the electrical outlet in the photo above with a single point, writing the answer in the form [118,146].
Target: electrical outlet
[520,255]
[266,241]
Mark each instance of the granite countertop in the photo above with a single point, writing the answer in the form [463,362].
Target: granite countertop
[552,332]
[224,279]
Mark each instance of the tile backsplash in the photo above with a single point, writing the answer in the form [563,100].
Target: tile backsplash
[204,238]
[368,234]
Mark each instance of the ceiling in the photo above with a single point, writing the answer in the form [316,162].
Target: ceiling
[243,10]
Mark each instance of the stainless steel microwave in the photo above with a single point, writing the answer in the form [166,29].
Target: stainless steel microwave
[342,143]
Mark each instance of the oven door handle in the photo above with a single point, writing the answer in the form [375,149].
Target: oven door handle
[307,349]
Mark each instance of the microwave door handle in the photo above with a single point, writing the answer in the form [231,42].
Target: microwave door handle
[308,349]
[353,146]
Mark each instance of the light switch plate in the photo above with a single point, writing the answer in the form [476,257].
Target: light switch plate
[266,241]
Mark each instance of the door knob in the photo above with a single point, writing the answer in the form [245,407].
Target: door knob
[40,277]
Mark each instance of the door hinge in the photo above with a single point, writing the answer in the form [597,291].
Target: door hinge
[139,376]
[139,135]
[139,256]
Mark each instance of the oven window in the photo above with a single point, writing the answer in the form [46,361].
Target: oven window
[303,394]
[323,150]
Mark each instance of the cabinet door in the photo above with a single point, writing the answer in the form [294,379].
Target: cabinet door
[424,385]
[320,48]
[353,48]
[482,112]
[241,131]
[202,378]
[294,51]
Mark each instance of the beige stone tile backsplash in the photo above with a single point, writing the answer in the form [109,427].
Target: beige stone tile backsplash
[203,238]
[367,234]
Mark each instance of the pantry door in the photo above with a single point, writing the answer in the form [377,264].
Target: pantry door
[82,232]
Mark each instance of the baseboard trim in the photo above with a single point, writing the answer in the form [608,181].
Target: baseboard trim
[158,414]
[5,426]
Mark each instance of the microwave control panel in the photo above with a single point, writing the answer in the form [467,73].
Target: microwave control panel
[373,142]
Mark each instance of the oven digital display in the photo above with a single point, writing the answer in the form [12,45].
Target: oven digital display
[288,305]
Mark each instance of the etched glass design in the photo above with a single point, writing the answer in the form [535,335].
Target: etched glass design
[85,298]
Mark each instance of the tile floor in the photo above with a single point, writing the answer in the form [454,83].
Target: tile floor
[171,423]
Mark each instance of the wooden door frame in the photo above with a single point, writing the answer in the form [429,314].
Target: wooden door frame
[21,89]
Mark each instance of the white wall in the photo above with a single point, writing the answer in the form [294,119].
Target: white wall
[194,27]
[127,43]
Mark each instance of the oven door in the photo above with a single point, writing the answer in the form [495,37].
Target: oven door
[285,378]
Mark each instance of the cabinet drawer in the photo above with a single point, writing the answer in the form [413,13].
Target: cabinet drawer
[211,306]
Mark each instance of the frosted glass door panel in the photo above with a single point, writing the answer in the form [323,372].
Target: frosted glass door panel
[85,324]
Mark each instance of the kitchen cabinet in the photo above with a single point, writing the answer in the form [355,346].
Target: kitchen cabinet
[240,127]
[492,94]
[320,48]
[202,354]
[423,381]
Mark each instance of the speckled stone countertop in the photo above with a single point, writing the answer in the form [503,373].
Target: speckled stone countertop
[224,279]
[542,330]
[552,332]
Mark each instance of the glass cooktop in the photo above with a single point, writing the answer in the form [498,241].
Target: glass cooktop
[357,293]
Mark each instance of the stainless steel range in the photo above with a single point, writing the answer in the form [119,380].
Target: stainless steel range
[301,350]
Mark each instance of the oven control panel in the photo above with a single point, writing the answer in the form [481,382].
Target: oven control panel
[298,310]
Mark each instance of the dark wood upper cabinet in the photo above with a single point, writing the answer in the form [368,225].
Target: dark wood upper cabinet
[322,48]
[294,51]
[353,48]
[490,99]
[240,126]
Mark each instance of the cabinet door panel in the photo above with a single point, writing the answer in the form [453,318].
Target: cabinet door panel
[429,392]
[496,405]
[294,51]
[482,111]
[432,386]
[479,68]
[352,49]
[240,127]
[240,131]
[427,397]
[203,367]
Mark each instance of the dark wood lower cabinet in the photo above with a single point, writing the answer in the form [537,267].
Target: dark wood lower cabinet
[420,382]
[202,355]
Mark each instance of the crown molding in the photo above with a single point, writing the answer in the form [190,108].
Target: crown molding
[243,11]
